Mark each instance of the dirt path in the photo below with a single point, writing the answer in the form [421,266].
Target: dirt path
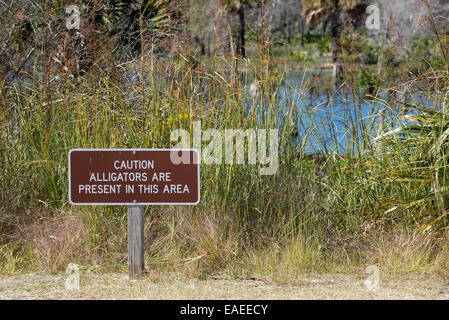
[117,286]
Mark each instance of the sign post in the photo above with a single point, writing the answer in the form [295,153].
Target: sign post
[134,177]
[136,264]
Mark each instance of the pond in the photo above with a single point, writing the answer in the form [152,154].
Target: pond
[334,121]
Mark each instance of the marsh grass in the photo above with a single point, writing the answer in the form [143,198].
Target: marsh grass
[325,211]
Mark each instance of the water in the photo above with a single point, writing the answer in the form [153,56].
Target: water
[333,122]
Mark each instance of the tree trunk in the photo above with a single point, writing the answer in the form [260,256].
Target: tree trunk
[208,44]
[335,30]
[301,29]
[290,23]
[323,29]
[241,38]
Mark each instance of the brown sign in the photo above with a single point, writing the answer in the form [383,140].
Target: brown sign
[133,176]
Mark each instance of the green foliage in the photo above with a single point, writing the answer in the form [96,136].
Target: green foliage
[368,78]
[324,45]
[424,137]
[315,37]
[301,57]
[425,55]
[370,51]
[126,19]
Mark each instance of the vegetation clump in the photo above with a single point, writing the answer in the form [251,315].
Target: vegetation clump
[363,168]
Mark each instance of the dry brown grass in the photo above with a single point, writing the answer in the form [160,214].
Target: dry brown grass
[403,253]
[197,242]
[203,245]
[58,240]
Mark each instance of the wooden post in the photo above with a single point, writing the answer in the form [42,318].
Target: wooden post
[135,241]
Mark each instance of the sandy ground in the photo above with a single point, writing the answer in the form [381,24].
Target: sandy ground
[118,286]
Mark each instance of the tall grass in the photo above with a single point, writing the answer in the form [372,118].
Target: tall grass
[319,211]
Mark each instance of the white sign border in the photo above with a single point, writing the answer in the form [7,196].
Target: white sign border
[134,203]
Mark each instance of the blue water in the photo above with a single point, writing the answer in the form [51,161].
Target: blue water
[332,123]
